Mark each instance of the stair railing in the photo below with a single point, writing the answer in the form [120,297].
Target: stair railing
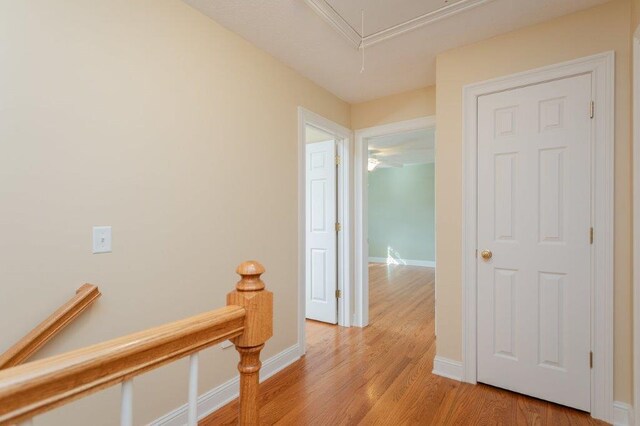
[39,386]
[47,329]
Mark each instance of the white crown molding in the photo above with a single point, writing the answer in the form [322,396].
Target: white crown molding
[329,14]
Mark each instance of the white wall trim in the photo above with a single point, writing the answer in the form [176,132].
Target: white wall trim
[448,368]
[408,262]
[601,67]
[329,14]
[361,249]
[343,146]
[221,395]
[636,219]
[622,414]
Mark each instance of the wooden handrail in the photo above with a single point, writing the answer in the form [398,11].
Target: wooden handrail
[51,326]
[39,386]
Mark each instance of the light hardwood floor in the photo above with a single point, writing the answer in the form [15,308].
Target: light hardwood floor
[382,374]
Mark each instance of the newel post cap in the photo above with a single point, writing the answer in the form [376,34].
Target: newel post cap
[251,294]
[250,272]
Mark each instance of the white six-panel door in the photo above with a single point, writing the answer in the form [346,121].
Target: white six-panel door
[534,220]
[321,237]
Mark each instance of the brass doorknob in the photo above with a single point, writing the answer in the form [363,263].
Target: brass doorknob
[486,254]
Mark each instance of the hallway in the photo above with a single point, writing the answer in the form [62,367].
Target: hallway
[382,374]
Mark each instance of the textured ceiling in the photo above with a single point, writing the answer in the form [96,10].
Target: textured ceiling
[292,32]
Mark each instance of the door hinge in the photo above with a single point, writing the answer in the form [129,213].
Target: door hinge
[592,109]
[590,359]
[338,294]
[338,227]
[591,235]
[338,160]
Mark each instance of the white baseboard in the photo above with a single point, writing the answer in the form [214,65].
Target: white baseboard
[447,368]
[221,395]
[409,262]
[622,414]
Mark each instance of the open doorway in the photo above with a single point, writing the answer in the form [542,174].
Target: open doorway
[324,206]
[401,194]
[394,205]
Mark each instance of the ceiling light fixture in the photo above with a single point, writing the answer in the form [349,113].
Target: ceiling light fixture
[372,164]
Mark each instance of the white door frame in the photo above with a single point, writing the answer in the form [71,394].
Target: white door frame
[601,67]
[361,250]
[636,221]
[343,149]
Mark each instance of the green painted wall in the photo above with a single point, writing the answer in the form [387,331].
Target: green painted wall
[401,212]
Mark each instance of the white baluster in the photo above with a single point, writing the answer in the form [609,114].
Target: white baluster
[126,407]
[192,413]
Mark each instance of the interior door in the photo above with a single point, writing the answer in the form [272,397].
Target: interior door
[534,236]
[321,236]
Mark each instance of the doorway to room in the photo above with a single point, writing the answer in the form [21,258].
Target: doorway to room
[395,207]
[401,222]
[324,202]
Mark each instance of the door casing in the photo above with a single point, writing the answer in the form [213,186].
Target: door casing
[601,68]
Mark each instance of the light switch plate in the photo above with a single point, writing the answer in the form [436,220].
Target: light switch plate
[101,239]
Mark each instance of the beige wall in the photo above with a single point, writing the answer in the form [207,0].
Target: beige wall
[394,108]
[147,116]
[635,15]
[584,33]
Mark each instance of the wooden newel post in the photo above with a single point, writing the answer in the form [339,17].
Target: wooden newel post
[251,294]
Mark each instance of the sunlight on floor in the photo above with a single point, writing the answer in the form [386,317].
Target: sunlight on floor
[393,257]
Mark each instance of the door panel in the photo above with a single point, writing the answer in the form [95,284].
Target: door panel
[321,238]
[534,215]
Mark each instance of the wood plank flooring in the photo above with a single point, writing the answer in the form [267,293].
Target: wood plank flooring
[381,375]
